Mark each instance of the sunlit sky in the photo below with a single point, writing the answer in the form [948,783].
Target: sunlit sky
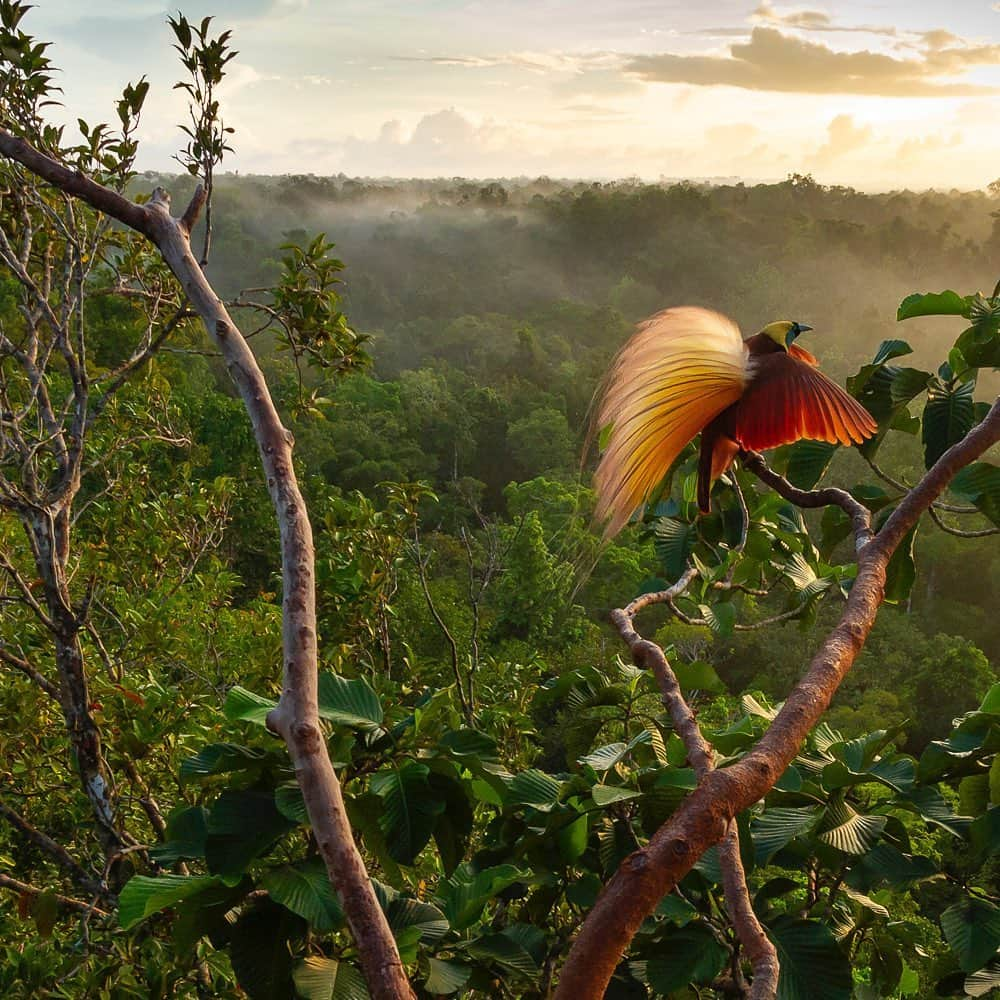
[878,95]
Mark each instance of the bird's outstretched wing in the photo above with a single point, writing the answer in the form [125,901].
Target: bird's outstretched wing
[789,399]
[680,369]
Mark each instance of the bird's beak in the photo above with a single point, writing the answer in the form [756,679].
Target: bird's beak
[802,327]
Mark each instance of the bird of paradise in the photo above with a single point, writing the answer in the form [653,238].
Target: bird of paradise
[687,371]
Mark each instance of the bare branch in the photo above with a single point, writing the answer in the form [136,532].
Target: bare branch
[829,497]
[65,902]
[19,663]
[55,851]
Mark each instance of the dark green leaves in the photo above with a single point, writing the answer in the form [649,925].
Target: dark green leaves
[948,417]
[972,929]
[979,483]
[143,896]
[305,889]
[812,965]
[241,826]
[673,540]
[409,809]
[807,462]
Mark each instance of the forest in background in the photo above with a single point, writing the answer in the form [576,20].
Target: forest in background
[458,570]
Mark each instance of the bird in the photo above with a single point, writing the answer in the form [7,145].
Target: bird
[687,370]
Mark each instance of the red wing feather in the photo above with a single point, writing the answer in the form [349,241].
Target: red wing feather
[789,399]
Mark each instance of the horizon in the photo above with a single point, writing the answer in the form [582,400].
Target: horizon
[878,96]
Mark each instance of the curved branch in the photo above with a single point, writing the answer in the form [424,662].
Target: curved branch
[703,817]
[830,496]
[761,952]
[296,717]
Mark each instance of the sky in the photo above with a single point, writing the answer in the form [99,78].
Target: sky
[878,95]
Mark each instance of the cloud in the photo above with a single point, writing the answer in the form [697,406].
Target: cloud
[772,60]
[843,137]
[812,20]
[536,62]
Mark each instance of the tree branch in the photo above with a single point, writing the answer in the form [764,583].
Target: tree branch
[761,952]
[703,817]
[65,902]
[296,718]
[56,852]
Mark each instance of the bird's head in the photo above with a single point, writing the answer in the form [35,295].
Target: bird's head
[784,332]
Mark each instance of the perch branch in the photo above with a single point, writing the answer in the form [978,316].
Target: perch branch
[703,817]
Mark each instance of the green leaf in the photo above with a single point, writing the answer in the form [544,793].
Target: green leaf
[318,978]
[260,953]
[812,965]
[305,889]
[699,675]
[948,417]
[186,832]
[446,978]
[980,983]
[143,895]
[673,541]
[534,788]
[890,349]
[778,826]
[690,954]
[720,617]
[289,802]
[350,703]
[946,303]
[241,826]
[979,483]
[807,462]
[887,864]
[605,795]
[901,573]
[850,831]
[602,759]
[407,914]
[222,758]
[245,706]
[464,895]
[972,930]
[410,810]
[511,949]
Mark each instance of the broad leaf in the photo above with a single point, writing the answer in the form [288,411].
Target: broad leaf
[776,827]
[807,462]
[305,889]
[463,896]
[948,417]
[241,826]
[410,810]
[979,483]
[260,953]
[850,831]
[535,788]
[946,303]
[222,758]
[143,895]
[972,929]
[690,954]
[812,965]
[673,541]
[349,702]
[245,706]
[318,978]
[445,978]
